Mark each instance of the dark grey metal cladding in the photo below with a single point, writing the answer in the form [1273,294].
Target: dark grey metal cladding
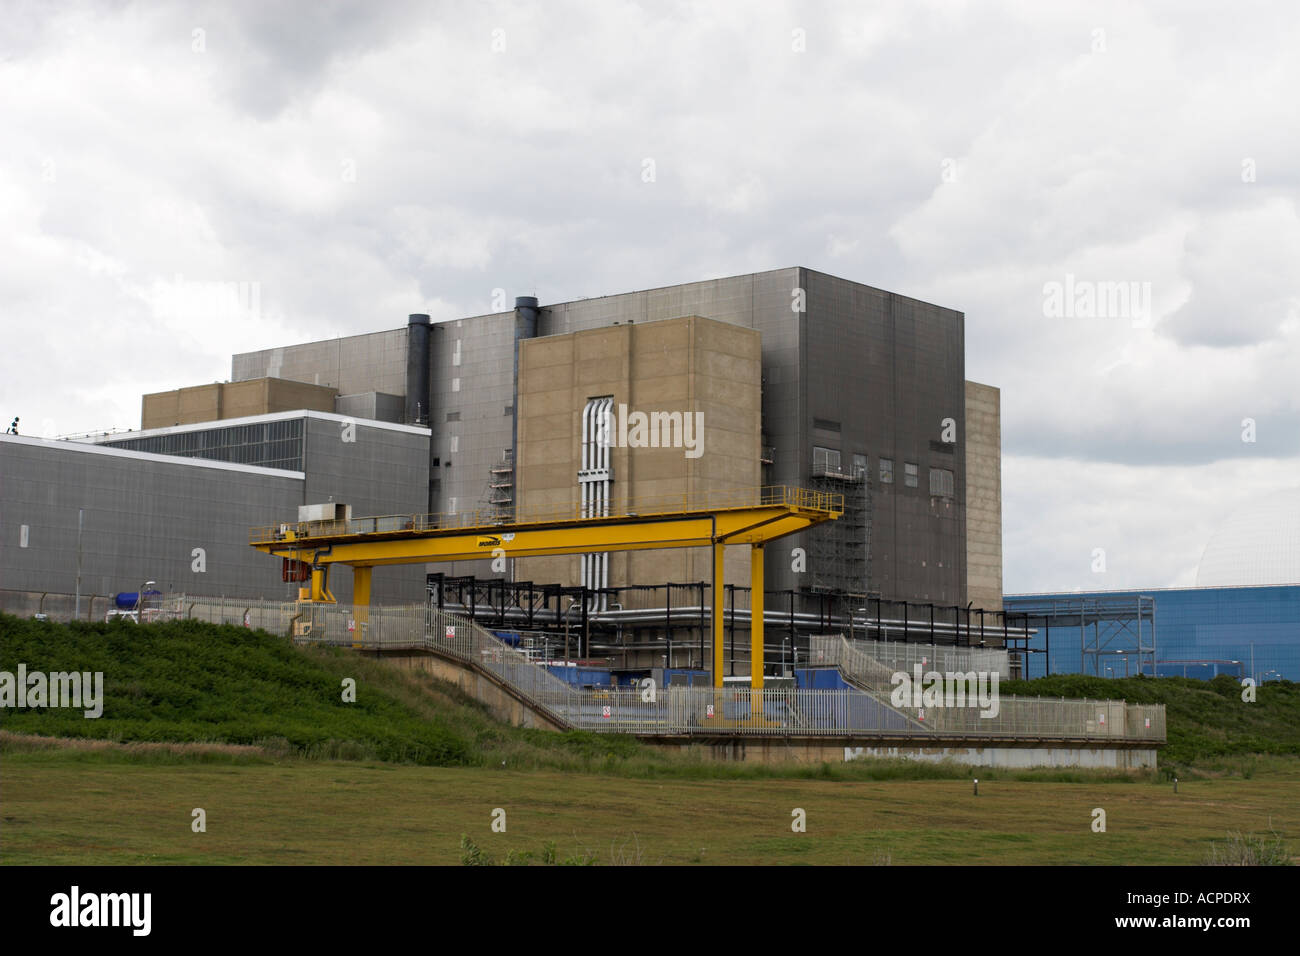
[891,369]
[473,395]
[417,370]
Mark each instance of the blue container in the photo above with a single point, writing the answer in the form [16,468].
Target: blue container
[127,600]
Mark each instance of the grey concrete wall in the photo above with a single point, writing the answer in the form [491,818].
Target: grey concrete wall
[144,516]
[831,750]
[373,406]
[483,686]
[1092,758]
[374,362]
[984,495]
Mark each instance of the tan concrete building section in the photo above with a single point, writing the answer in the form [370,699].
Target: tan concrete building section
[210,403]
[984,496]
[683,365]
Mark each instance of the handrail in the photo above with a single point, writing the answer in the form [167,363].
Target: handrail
[804,499]
[862,709]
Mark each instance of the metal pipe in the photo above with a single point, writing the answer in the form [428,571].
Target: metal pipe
[806,621]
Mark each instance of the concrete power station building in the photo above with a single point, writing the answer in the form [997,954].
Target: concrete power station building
[788,377]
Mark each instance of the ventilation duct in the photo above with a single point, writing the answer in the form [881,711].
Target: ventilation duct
[417,370]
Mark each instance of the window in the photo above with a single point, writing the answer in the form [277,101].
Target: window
[886,471]
[941,482]
[910,474]
[825,460]
[859,466]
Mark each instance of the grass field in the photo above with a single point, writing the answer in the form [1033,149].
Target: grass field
[255,731]
[76,809]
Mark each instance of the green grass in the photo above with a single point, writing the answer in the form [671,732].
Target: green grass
[58,809]
[255,731]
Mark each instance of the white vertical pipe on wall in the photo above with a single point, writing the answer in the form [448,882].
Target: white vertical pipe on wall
[604,491]
[594,480]
[586,485]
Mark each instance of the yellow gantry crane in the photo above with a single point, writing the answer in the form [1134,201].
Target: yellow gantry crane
[715,519]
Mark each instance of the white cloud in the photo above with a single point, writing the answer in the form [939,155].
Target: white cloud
[358,163]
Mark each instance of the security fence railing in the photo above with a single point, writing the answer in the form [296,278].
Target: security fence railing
[964,699]
[864,708]
[836,649]
[777,712]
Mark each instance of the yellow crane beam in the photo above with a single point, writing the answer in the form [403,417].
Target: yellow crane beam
[751,518]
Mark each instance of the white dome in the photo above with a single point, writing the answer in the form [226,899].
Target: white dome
[1257,545]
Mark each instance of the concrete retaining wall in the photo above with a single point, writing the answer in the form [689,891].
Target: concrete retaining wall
[500,701]
[835,750]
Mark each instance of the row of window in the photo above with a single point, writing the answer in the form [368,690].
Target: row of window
[268,444]
[827,461]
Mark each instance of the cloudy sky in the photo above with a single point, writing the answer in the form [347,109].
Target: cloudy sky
[1107,190]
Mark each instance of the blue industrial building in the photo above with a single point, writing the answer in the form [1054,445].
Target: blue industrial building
[1194,632]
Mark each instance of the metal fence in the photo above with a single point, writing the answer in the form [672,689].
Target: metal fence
[778,712]
[965,702]
[864,708]
[896,656]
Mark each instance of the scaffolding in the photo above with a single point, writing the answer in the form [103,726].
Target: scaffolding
[1112,630]
[840,553]
[501,488]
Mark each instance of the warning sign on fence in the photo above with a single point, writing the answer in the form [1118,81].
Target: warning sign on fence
[451,633]
[604,711]
[708,710]
[352,625]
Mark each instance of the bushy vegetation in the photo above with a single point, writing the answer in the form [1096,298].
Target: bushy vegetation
[1207,723]
[189,681]
[1249,849]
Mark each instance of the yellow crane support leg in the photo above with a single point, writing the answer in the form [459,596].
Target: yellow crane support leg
[756,626]
[718,551]
[360,601]
[320,586]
